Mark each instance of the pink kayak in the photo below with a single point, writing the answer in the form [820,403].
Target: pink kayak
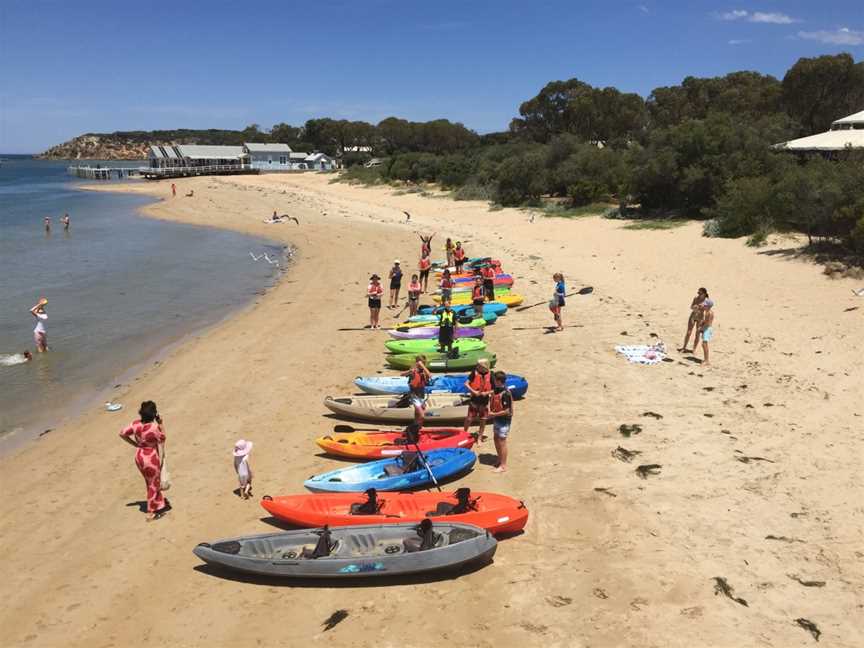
[431,332]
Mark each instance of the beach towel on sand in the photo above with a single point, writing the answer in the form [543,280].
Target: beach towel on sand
[646,354]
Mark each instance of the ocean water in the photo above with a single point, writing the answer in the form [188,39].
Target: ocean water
[120,287]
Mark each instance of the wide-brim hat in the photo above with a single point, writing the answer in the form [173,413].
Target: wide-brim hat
[374,276]
[242,448]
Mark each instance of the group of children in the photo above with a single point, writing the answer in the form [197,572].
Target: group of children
[488,399]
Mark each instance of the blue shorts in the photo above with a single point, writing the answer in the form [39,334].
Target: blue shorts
[501,428]
[707,334]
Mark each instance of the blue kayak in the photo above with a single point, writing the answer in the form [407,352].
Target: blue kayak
[399,473]
[489,307]
[489,316]
[448,383]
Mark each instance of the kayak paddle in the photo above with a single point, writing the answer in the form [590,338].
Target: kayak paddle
[587,290]
[351,428]
[411,435]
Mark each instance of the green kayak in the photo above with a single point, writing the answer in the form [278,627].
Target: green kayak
[439,362]
[462,345]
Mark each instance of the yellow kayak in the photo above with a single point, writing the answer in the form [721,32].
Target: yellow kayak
[508,299]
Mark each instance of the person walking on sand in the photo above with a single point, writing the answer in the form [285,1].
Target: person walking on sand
[501,411]
[414,290]
[707,329]
[173,190]
[66,222]
[694,322]
[243,468]
[446,285]
[395,284]
[557,302]
[47,222]
[425,266]
[40,335]
[479,386]
[374,291]
[147,434]
[459,257]
[418,379]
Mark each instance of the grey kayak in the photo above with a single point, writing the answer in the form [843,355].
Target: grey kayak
[354,551]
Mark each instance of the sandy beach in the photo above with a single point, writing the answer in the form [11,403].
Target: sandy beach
[762,454]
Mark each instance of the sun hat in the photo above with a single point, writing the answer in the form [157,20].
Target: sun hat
[242,448]
[396,261]
[374,276]
[708,303]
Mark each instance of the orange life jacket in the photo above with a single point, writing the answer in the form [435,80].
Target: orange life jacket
[488,272]
[477,293]
[425,263]
[480,382]
[417,380]
[459,254]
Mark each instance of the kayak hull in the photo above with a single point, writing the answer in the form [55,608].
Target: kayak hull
[440,408]
[489,307]
[431,332]
[439,362]
[420,321]
[390,443]
[367,551]
[444,463]
[497,514]
[463,345]
[464,299]
[451,383]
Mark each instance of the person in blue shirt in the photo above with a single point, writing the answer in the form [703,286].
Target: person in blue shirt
[557,301]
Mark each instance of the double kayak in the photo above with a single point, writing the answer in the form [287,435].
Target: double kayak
[389,443]
[440,361]
[448,383]
[419,321]
[496,308]
[469,287]
[500,279]
[408,470]
[463,345]
[353,551]
[497,514]
[430,332]
[450,408]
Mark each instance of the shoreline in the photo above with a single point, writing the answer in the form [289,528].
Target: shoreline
[38,427]
[626,565]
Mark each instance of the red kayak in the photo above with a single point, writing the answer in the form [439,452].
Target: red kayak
[381,444]
[498,514]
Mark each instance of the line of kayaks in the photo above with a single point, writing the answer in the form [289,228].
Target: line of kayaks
[363,520]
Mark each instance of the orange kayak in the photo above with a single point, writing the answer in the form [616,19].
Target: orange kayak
[386,443]
[498,514]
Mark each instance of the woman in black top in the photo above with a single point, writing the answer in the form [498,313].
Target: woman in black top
[395,284]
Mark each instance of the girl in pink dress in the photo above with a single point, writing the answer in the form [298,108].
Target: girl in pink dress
[148,436]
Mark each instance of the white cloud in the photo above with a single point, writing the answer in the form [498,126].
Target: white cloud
[643,9]
[758,17]
[739,41]
[841,36]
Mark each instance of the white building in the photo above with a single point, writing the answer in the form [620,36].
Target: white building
[320,162]
[268,157]
[196,155]
[845,134]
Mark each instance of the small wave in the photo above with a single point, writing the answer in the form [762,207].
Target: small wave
[11,359]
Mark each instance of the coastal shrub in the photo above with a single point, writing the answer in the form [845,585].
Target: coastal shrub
[748,205]
[521,179]
[711,228]
[475,191]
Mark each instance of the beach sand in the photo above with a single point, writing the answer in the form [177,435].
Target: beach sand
[631,565]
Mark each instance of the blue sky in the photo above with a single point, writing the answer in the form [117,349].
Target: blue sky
[92,65]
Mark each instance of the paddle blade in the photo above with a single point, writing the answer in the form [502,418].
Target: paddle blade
[587,290]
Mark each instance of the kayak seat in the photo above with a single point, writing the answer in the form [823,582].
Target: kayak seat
[371,506]
[426,538]
[322,548]
[406,463]
[443,508]
[393,470]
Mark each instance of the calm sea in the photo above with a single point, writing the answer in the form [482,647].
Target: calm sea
[120,287]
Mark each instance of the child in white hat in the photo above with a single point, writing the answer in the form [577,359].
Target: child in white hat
[244,469]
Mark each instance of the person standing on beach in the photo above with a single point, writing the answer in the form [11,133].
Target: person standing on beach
[695,319]
[477,295]
[446,326]
[40,335]
[418,378]
[147,434]
[425,244]
[488,274]
[414,290]
[447,284]
[173,190]
[479,386]
[557,302]
[459,257]
[66,222]
[501,411]
[47,222]
[706,329]
[425,266]
[242,467]
[448,248]
[395,284]
[374,291]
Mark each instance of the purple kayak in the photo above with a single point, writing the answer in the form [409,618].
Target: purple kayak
[431,332]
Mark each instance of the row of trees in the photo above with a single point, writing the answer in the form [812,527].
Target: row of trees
[701,149]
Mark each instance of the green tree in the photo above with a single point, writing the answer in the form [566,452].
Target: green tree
[816,91]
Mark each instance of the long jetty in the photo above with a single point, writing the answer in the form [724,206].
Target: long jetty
[102,173]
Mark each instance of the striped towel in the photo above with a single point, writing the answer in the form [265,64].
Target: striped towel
[646,354]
